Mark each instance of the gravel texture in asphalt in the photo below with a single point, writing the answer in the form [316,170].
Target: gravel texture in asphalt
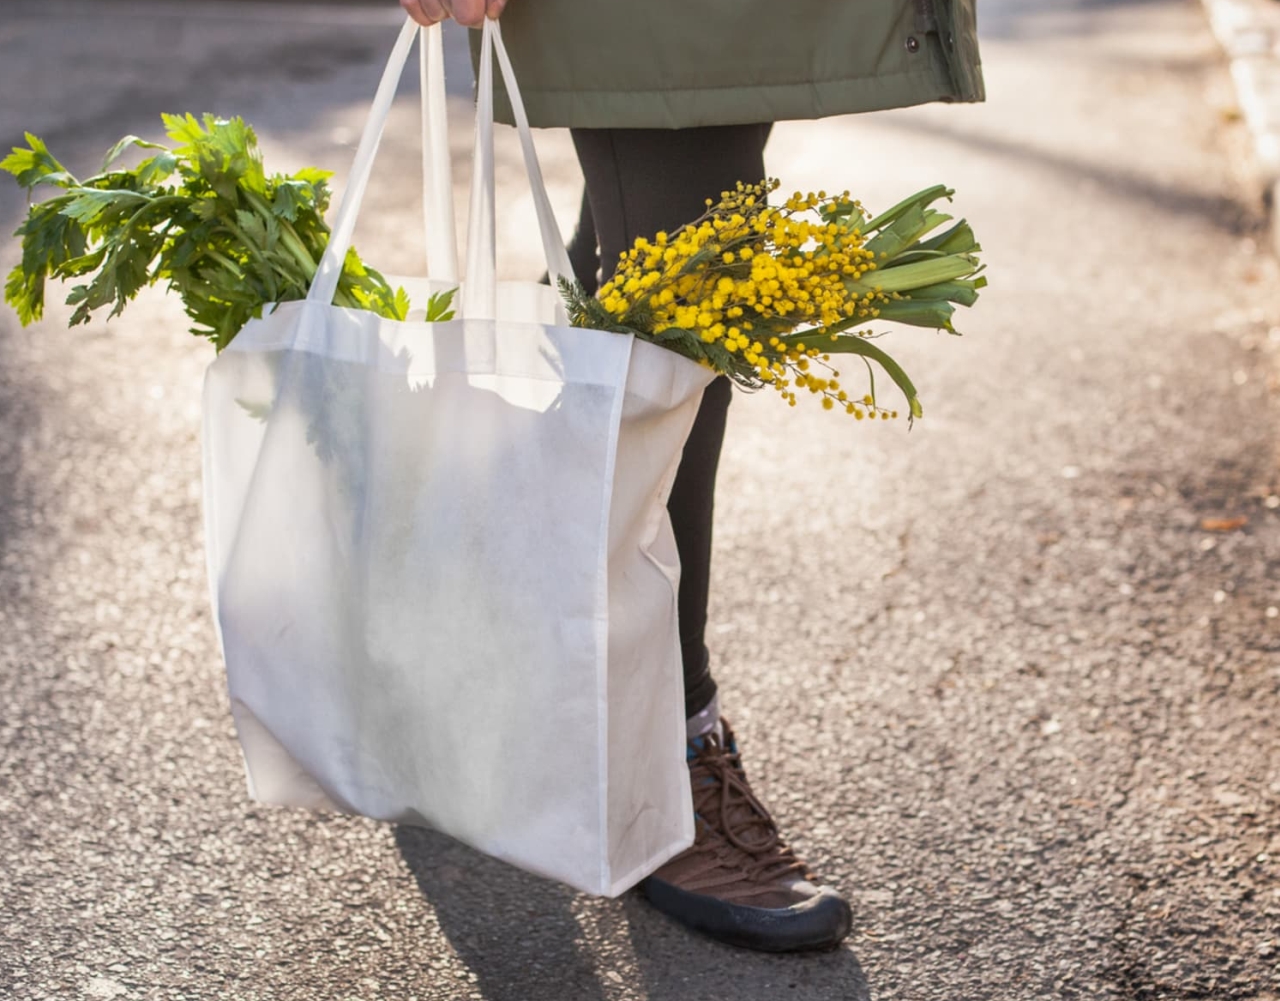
[1009,680]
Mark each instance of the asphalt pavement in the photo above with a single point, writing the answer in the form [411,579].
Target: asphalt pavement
[1009,680]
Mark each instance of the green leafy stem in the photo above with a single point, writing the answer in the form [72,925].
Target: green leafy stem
[203,217]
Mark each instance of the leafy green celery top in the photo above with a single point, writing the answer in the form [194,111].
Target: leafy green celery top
[203,217]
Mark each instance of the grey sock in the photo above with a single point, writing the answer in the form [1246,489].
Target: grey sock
[702,723]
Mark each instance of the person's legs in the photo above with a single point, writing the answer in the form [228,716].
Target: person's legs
[640,181]
[739,882]
[691,510]
[584,250]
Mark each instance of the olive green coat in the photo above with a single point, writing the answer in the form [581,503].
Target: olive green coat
[682,63]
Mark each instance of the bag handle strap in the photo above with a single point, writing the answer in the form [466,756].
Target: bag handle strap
[439,225]
[480,293]
[325,284]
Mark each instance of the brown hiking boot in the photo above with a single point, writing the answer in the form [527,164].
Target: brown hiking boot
[739,882]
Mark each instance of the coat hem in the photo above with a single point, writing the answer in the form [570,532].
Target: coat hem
[702,106]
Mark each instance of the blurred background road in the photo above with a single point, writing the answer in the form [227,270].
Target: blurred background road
[1010,680]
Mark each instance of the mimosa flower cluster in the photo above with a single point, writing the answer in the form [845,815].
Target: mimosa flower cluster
[765,294]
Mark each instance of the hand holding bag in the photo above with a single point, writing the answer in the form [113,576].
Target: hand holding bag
[442,570]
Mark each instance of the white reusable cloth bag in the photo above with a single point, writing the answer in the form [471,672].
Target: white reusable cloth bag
[442,569]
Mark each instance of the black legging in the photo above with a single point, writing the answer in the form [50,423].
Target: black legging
[640,181]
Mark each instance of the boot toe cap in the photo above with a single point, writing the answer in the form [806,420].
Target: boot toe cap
[821,921]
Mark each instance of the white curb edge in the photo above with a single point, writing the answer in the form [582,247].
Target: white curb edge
[1249,33]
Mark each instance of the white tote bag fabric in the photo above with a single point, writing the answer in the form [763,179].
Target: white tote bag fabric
[442,569]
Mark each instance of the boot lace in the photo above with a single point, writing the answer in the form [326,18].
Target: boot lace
[724,802]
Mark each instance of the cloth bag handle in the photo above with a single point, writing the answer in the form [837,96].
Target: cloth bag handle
[480,291]
[440,229]
[479,300]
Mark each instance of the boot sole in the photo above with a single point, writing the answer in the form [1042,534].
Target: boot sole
[821,922]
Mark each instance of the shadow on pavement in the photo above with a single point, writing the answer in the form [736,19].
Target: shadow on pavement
[515,932]
[676,965]
[525,938]
[1219,210]
[282,74]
